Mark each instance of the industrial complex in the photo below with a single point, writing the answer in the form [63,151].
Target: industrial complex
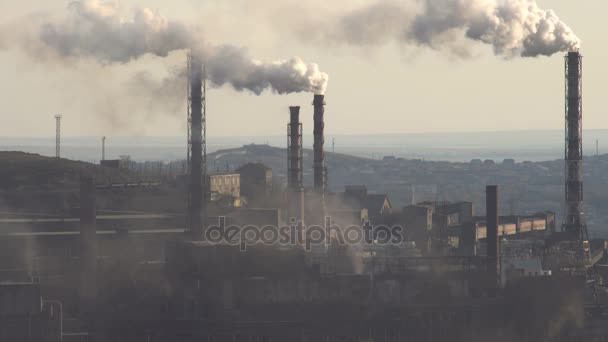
[247,260]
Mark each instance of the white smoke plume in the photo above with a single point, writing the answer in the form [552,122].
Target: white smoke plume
[232,65]
[512,27]
[96,29]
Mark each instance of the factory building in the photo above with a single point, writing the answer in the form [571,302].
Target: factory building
[224,184]
[256,181]
[356,198]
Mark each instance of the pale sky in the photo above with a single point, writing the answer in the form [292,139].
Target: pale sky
[380,90]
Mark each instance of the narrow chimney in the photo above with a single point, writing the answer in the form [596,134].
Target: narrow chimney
[320,177]
[197,203]
[88,236]
[574,222]
[493,244]
[294,166]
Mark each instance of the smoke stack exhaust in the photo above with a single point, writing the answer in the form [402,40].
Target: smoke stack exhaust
[493,244]
[197,145]
[320,171]
[88,236]
[574,222]
[295,158]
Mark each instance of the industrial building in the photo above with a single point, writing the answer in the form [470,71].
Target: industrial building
[225,184]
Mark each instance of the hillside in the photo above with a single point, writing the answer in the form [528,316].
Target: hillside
[25,171]
[33,181]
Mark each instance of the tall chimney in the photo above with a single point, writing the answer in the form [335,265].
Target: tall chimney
[320,177]
[295,158]
[574,222]
[88,238]
[197,145]
[493,244]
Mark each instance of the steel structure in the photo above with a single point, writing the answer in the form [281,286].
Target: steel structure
[574,221]
[320,171]
[197,147]
[58,136]
[295,154]
[295,157]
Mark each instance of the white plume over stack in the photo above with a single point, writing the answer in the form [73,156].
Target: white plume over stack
[512,27]
[95,29]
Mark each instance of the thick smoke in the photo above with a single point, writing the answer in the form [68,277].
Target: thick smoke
[232,65]
[511,27]
[96,30]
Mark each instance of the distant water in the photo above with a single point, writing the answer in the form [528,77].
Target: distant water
[454,147]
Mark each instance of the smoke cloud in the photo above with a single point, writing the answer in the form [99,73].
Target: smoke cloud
[512,27]
[232,65]
[96,29]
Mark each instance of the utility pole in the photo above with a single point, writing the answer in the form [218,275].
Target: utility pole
[58,136]
[103,148]
[333,145]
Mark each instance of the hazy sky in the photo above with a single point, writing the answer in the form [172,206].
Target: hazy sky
[386,89]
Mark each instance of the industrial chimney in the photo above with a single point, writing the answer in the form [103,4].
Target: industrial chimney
[320,176]
[574,222]
[295,158]
[197,151]
[88,238]
[492,241]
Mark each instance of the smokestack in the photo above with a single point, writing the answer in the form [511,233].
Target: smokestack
[294,165]
[493,244]
[198,166]
[320,176]
[574,222]
[88,237]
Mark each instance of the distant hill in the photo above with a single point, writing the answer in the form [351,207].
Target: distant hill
[276,158]
[525,187]
[26,171]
